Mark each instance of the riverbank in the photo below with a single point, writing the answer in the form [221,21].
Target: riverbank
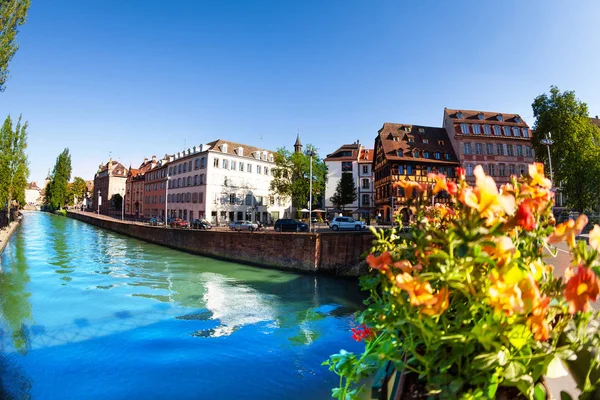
[6,233]
[335,253]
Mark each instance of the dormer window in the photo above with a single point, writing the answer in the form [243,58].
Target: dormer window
[224,148]
[411,139]
[270,157]
[441,142]
[416,153]
[499,117]
[421,130]
[459,115]
[436,155]
[447,156]
[256,154]
[240,151]
[518,119]
[264,156]
[425,141]
[406,129]
[426,154]
[480,116]
[399,153]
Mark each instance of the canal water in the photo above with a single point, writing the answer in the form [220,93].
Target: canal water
[90,314]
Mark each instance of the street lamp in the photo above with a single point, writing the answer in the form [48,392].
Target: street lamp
[311,153]
[166,197]
[549,142]
[99,202]
[123,208]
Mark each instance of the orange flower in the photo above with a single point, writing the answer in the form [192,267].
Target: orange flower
[525,217]
[505,296]
[536,172]
[537,321]
[406,266]
[405,281]
[411,188]
[580,289]
[436,305]
[568,230]
[595,238]
[381,262]
[460,172]
[503,250]
[452,188]
[440,182]
[420,293]
[485,197]
[530,293]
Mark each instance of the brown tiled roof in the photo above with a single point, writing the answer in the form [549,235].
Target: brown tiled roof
[117,166]
[337,155]
[366,155]
[33,186]
[133,172]
[595,121]
[231,146]
[489,117]
[394,139]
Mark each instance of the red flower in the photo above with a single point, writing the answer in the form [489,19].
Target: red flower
[581,288]
[452,188]
[381,262]
[460,172]
[525,217]
[362,332]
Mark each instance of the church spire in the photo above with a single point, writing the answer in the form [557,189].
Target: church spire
[298,144]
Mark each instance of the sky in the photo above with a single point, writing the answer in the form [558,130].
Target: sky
[131,79]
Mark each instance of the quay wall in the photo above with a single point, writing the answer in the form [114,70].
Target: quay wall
[336,253]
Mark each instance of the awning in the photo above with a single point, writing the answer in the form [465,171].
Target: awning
[361,211]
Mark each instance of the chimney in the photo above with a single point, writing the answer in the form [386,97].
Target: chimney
[596,117]
[145,160]
[153,159]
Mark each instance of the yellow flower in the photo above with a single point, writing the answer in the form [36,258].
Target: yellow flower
[568,230]
[485,197]
[437,304]
[504,293]
[503,250]
[595,238]
[411,188]
[536,172]
[440,182]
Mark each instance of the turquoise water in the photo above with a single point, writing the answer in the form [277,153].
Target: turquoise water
[89,314]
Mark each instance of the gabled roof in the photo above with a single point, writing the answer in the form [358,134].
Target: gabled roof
[366,155]
[216,145]
[341,153]
[489,117]
[33,186]
[396,145]
[595,121]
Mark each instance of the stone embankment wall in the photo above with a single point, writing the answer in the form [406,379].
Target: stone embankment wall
[332,253]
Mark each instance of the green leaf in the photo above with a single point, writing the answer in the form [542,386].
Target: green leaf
[514,370]
[539,393]
[492,387]
[565,396]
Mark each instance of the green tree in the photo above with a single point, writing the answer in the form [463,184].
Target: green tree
[345,192]
[575,153]
[14,169]
[13,14]
[291,176]
[78,189]
[57,188]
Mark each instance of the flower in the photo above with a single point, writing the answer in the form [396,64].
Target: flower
[503,249]
[381,262]
[411,188]
[460,172]
[485,197]
[362,332]
[568,230]
[525,217]
[505,295]
[595,238]
[437,304]
[440,182]
[537,321]
[580,289]
[452,188]
[536,172]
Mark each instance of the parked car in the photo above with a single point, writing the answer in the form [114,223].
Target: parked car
[346,223]
[179,223]
[155,221]
[201,224]
[243,226]
[290,225]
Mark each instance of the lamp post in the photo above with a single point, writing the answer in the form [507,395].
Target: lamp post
[311,153]
[549,142]
[99,202]
[166,198]
[123,208]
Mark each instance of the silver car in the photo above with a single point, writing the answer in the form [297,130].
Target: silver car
[346,223]
[243,226]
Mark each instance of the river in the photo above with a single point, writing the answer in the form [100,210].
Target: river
[89,314]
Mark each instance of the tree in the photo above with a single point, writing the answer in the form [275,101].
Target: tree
[291,176]
[57,188]
[345,192]
[575,152]
[13,14]
[78,189]
[14,170]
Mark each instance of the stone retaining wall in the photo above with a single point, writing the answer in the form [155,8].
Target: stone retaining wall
[333,253]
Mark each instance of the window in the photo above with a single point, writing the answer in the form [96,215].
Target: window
[489,149]
[365,200]
[499,117]
[497,130]
[365,169]
[525,132]
[400,169]
[415,153]
[502,170]
[421,130]
[346,166]
[409,170]
[200,197]
[447,156]
[184,167]
[170,170]
[426,154]
[179,169]
[500,149]
[492,170]
[516,132]
[189,181]
[216,163]
[195,180]
[190,165]
[248,167]
[469,169]
[467,148]
[519,150]
[196,163]
[203,162]
[201,179]
[365,184]
[478,148]
[436,155]
[459,115]
[518,119]
[266,170]
[509,150]
[476,129]
[178,182]
[426,141]
[248,199]
[233,165]
[258,169]
[241,165]
[511,169]
[528,152]
[410,139]
[225,164]
[464,129]
[506,131]
[480,116]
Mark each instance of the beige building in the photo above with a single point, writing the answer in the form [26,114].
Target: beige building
[108,181]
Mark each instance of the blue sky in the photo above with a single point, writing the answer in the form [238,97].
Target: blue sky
[141,78]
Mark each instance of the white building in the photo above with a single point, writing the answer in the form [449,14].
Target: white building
[356,160]
[33,194]
[223,181]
